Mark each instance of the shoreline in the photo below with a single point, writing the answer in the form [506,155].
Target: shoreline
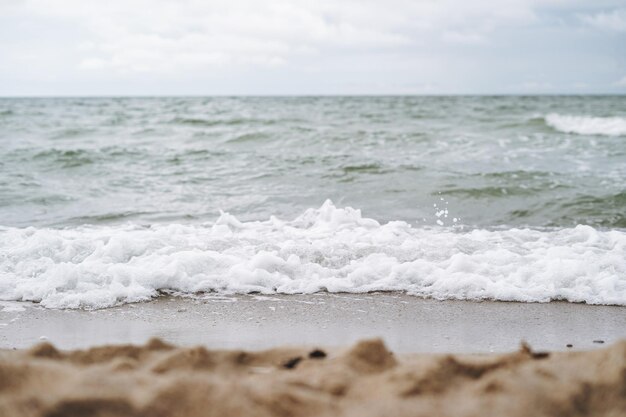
[406,323]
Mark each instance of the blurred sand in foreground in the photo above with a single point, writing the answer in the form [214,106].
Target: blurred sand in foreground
[158,379]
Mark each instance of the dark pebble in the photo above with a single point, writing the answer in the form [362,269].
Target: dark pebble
[292,363]
[317,354]
[540,355]
[598,341]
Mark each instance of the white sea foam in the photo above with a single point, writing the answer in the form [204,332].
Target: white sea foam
[587,125]
[325,249]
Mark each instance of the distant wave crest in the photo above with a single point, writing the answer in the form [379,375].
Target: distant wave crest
[327,249]
[587,125]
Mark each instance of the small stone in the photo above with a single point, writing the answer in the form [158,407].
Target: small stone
[317,354]
[540,355]
[292,363]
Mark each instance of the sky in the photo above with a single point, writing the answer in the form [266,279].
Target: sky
[280,47]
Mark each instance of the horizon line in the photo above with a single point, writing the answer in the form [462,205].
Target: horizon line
[364,95]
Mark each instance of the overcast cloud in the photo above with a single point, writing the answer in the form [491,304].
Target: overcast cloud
[159,47]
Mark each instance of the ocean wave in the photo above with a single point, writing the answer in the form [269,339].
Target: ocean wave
[234,121]
[587,125]
[326,249]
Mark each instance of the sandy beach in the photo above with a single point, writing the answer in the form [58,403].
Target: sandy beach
[313,355]
[158,379]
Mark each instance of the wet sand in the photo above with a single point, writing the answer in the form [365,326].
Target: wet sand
[407,324]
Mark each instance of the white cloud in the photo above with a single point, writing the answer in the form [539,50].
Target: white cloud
[464,38]
[303,46]
[93,63]
[621,82]
[613,21]
[162,36]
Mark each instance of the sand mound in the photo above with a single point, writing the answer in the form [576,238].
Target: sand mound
[367,380]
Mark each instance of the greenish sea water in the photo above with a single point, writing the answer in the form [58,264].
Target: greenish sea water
[495,161]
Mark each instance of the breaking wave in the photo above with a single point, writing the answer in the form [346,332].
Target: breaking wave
[326,249]
[587,125]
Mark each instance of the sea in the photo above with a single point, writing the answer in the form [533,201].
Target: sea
[108,201]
